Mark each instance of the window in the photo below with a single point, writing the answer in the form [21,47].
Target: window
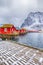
[5,30]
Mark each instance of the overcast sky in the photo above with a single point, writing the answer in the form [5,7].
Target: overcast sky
[40,5]
[15,11]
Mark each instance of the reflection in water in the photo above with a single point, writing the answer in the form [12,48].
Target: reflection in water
[32,39]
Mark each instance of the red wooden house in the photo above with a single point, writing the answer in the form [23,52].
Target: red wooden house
[23,31]
[7,29]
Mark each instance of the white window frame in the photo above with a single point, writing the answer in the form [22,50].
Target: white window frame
[5,29]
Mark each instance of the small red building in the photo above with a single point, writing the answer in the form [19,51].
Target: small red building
[23,31]
[7,28]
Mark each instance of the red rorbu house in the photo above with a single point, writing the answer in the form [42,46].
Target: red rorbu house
[23,31]
[7,29]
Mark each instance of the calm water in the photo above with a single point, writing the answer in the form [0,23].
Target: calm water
[32,39]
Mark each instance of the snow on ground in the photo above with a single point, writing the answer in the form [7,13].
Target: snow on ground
[12,53]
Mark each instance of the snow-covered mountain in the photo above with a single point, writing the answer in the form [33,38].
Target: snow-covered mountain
[33,20]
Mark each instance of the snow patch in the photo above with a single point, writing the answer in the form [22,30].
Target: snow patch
[40,60]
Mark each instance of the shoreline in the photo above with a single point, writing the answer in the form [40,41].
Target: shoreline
[27,45]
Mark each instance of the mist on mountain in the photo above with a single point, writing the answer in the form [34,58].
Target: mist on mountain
[33,20]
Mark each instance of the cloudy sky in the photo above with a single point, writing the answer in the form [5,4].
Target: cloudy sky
[40,5]
[15,11]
